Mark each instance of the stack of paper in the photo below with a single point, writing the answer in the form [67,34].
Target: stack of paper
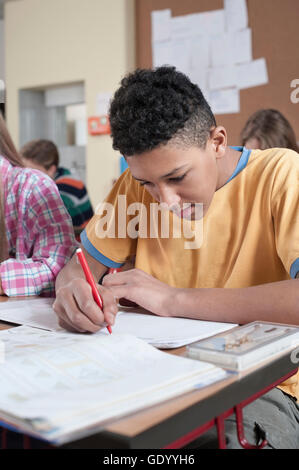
[59,385]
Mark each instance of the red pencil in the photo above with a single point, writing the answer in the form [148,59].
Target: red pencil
[89,278]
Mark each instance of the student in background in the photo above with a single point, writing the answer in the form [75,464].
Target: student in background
[245,264]
[268,128]
[37,236]
[43,155]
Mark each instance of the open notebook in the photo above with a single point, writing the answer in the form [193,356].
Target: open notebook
[60,386]
[162,332]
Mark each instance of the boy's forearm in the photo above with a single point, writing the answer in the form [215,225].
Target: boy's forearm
[274,302]
[73,270]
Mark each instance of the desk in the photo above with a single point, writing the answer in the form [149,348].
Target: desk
[181,420]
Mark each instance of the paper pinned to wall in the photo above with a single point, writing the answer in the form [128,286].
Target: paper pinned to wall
[179,27]
[207,23]
[231,48]
[252,74]
[200,52]
[214,49]
[161,25]
[103,103]
[223,77]
[181,54]
[225,101]
[161,53]
[199,76]
[236,14]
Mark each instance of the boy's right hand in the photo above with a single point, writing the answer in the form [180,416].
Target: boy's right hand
[78,312]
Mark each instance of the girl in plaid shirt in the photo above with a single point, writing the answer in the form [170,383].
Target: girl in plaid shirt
[36,233]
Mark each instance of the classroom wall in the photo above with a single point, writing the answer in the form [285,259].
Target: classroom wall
[56,42]
[1,49]
[275,36]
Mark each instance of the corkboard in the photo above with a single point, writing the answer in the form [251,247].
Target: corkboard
[275,36]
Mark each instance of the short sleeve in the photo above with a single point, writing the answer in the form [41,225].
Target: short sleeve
[108,237]
[285,211]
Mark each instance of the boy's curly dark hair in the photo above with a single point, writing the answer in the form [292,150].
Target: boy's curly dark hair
[152,107]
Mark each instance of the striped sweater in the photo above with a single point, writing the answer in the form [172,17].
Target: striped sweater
[75,198]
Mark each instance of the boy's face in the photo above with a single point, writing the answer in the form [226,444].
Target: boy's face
[177,176]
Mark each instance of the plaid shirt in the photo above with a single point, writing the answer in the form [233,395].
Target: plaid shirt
[39,232]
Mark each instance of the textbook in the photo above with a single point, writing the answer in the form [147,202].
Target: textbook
[59,386]
[245,346]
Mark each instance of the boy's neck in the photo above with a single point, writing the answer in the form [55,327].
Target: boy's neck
[227,165]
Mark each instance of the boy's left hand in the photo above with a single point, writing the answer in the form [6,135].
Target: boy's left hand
[143,289]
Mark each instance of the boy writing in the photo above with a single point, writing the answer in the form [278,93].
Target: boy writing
[243,205]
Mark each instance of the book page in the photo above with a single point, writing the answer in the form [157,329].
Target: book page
[62,382]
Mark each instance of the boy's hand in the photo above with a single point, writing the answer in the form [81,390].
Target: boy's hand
[143,289]
[77,311]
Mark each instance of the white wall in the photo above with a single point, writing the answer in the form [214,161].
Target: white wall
[56,42]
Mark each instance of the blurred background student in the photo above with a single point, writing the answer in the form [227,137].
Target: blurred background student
[43,155]
[36,233]
[268,128]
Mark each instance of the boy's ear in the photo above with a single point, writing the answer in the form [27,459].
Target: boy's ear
[218,140]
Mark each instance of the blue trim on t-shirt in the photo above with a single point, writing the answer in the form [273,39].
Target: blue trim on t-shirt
[294,268]
[123,164]
[96,254]
[243,160]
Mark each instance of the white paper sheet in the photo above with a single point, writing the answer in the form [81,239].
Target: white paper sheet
[64,382]
[179,27]
[103,103]
[199,76]
[165,332]
[231,48]
[159,331]
[161,25]
[181,54]
[207,23]
[31,312]
[225,101]
[223,77]
[200,53]
[161,53]
[236,15]
[252,74]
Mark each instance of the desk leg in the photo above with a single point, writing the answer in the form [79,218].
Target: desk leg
[26,442]
[3,438]
[240,431]
[220,424]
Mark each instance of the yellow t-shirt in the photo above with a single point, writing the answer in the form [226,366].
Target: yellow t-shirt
[249,235]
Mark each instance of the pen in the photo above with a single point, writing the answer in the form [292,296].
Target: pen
[89,278]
